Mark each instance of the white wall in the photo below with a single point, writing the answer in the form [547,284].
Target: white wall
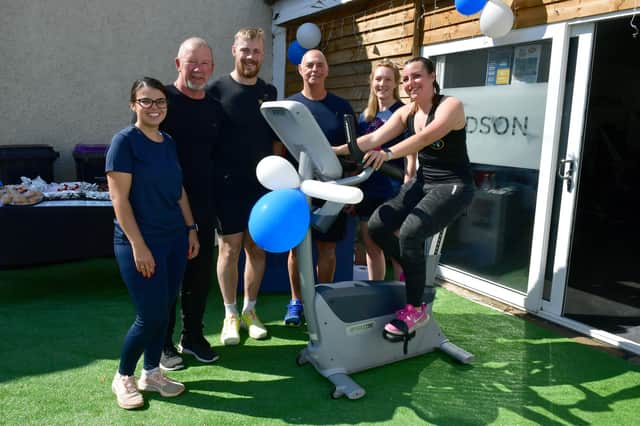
[67,65]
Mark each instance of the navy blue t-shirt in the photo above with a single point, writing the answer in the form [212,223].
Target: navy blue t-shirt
[156,184]
[329,113]
[379,185]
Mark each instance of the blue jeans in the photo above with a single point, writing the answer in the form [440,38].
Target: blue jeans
[152,297]
[419,211]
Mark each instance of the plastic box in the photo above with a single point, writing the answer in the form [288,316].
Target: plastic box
[90,162]
[26,160]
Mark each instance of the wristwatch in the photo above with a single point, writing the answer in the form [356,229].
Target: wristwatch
[389,153]
[193,227]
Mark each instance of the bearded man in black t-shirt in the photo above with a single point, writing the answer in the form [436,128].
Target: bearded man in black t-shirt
[193,120]
[246,138]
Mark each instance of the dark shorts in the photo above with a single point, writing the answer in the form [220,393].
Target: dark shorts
[234,202]
[335,233]
[367,206]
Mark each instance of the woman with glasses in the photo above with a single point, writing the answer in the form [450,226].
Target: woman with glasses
[440,191]
[154,235]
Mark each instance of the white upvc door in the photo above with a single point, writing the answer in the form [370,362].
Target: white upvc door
[568,168]
[552,307]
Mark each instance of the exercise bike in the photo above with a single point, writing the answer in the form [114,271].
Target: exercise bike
[345,320]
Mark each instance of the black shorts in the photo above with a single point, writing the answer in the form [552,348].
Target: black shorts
[335,233]
[234,202]
[367,206]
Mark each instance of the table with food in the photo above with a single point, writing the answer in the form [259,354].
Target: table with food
[54,222]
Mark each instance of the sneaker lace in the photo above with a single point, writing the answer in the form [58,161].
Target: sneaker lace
[129,383]
[159,377]
[294,308]
[403,313]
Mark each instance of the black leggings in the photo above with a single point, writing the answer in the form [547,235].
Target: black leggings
[419,211]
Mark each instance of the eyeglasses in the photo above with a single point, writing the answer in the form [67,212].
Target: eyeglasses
[147,102]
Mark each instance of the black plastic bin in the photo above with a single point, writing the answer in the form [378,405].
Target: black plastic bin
[90,162]
[26,160]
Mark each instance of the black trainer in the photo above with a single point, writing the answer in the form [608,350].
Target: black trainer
[200,349]
[170,359]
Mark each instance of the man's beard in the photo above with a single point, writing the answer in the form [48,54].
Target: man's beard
[195,87]
[246,73]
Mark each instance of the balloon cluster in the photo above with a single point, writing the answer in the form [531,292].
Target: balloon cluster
[496,19]
[279,220]
[307,37]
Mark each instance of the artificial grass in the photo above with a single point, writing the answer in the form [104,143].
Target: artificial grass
[62,327]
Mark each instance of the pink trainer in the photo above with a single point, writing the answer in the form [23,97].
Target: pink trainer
[414,318]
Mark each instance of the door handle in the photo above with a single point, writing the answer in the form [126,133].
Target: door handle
[565,172]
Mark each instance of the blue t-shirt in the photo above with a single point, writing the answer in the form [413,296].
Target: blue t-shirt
[329,113]
[156,184]
[378,185]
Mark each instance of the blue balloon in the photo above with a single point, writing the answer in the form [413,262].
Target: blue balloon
[279,220]
[295,52]
[470,7]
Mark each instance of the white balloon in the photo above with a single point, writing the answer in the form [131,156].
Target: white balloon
[332,192]
[308,35]
[496,19]
[274,172]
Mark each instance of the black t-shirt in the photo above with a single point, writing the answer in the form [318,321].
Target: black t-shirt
[194,125]
[246,138]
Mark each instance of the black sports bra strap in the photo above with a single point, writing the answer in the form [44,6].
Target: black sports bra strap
[412,131]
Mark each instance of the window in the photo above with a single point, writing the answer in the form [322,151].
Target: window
[504,91]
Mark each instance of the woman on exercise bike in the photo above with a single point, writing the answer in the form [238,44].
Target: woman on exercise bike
[440,191]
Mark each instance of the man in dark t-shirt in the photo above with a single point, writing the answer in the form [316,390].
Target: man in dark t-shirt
[193,120]
[246,138]
[329,111]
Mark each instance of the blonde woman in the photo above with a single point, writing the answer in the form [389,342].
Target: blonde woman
[384,99]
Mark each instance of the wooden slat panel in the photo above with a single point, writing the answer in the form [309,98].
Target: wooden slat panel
[566,10]
[347,80]
[445,17]
[372,37]
[350,68]
[466,29]
[351,25]
[445,25]
[373,52]
[353,92]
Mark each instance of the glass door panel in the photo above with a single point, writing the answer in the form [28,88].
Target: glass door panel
[504,91]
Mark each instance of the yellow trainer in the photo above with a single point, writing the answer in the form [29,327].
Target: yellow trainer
[251,322]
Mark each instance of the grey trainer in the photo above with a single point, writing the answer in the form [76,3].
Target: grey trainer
[156,381]
[170,360]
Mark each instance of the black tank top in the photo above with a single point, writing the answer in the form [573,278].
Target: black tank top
[446,159]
